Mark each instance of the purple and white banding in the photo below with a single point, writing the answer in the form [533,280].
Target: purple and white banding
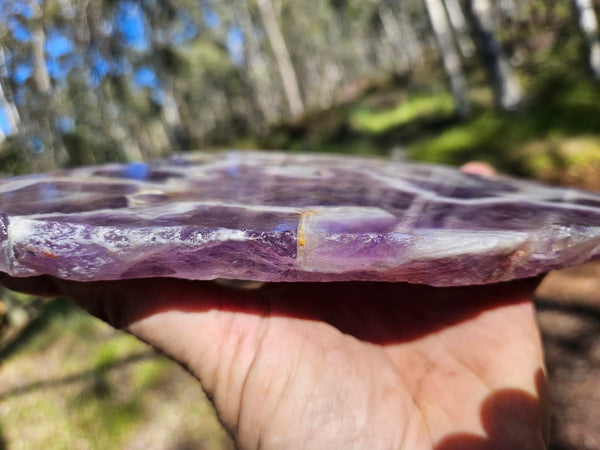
[270,216]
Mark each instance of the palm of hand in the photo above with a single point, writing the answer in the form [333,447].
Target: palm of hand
[348,365]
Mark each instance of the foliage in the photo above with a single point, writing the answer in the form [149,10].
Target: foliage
[415,107]
[87,82]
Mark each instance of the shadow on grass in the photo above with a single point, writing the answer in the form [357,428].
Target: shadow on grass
[52,310]
[93,374]
[571,335]
[49,325]
[578,343]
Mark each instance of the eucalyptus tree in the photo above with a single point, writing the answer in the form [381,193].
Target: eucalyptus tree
[282,56]
[7,101]
[138,79]
[460,27]
[26,89]
[588,23]
[314,35]
[507,90]
[396,35]
[451,59]
[255,65]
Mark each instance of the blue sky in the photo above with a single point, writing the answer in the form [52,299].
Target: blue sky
[146,77]
[130,24]
[235,45]
[211,18]
[4,125]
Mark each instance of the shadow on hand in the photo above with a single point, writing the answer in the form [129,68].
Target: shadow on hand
[371,311]
[508,416]
[381,313]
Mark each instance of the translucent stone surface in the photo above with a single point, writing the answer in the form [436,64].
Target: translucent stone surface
[286,217]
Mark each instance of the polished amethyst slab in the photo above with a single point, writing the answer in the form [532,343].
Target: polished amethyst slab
[287,217]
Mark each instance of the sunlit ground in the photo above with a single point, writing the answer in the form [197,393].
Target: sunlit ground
[73,382]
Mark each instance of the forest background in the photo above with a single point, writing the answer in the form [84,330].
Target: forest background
[514,83]
[87,82]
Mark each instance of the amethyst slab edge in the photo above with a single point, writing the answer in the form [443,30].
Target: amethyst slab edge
[183,226]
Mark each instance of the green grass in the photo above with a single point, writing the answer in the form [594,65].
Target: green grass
[415,107]
[560,123]
[72,381]
[554,134]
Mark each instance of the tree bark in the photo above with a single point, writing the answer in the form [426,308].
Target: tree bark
[282,55]
[412,44]
[589,26]
[507,90]
[450,56]
[259,77]
[38,41]
[54,153]
[6,101]
[461,30]
[392,30]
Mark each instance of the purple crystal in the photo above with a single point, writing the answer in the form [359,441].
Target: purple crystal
[287,217]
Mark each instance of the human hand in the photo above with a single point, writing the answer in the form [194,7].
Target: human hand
[345,365]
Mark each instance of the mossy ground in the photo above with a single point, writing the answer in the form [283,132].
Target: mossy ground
[554,137]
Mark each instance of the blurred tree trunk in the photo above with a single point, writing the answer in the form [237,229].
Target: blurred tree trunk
[282,56]
[461,30]
[169,114]
[45,108]
[450,56]
[589,26]
[329,63]
[6,99]
[410,41]
[41,76]
[507,90]
[122,118]
[393,32]
[259,77]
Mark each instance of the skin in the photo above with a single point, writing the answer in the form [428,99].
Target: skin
[344,365]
